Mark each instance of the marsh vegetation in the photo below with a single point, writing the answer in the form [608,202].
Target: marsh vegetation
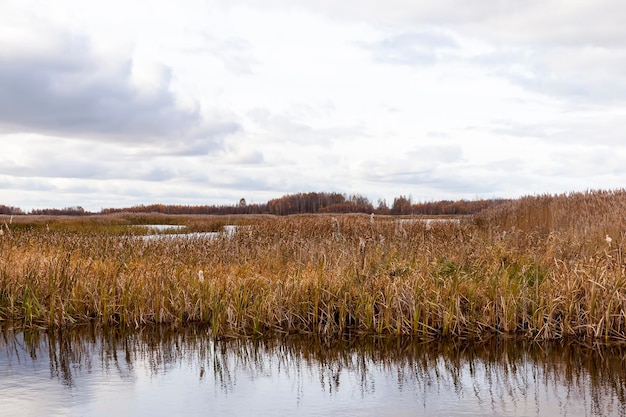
[541,267]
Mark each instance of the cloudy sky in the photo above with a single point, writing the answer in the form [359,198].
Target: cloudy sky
[126,102]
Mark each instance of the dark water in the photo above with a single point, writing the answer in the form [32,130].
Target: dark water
[184,372]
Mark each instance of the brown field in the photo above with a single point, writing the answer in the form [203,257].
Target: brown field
[539,266]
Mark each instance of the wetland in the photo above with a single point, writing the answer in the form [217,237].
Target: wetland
[517,310]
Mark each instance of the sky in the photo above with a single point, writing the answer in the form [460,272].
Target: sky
[194,102]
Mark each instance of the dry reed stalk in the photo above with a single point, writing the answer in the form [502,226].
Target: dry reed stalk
[539,266]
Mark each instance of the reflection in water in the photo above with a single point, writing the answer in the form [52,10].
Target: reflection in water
[168,371]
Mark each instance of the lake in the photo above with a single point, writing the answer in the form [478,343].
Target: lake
[167,371]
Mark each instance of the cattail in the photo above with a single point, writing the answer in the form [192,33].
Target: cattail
[336,232]
[362,243]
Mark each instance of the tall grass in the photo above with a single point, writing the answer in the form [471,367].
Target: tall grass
[539,267]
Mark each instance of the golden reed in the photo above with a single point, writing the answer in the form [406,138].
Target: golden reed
[542,267]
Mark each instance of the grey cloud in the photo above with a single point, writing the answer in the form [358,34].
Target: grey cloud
[203,140]
[71,160]
[284,127]
[426,166]
[31,184]
[508,166]
[576,88]
[537,22]
[236,55]
[240,178]
[158,174]
[58,161]
[459,181]
[246,157]
[582,77]
[81,167]
[444,169]
[71,93]
[604,130]
[254,157]
[436,135]
[392,12]
[520,130]
[417,164]
[553,23]
[541,46]
[437,153]
[586,162]
[412,48]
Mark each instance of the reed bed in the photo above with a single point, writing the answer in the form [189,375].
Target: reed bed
[540,267]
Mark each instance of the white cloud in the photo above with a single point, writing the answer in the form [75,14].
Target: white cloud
[212,101]
[413,48]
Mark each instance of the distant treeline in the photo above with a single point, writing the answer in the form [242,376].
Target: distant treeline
[341,203]
[67,211]
[300,203]
[10,210]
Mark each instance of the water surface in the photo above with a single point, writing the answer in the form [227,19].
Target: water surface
[227,230]
[167,371]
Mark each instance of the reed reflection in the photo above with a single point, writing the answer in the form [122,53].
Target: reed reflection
[497,375]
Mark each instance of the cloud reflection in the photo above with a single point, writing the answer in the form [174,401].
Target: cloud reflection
[169,370]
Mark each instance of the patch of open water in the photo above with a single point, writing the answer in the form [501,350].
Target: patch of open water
[168,371]
[227,230]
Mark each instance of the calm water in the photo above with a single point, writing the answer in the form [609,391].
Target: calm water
[168,372]
[158,229]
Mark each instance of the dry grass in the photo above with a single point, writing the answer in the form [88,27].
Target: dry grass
[539,267]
